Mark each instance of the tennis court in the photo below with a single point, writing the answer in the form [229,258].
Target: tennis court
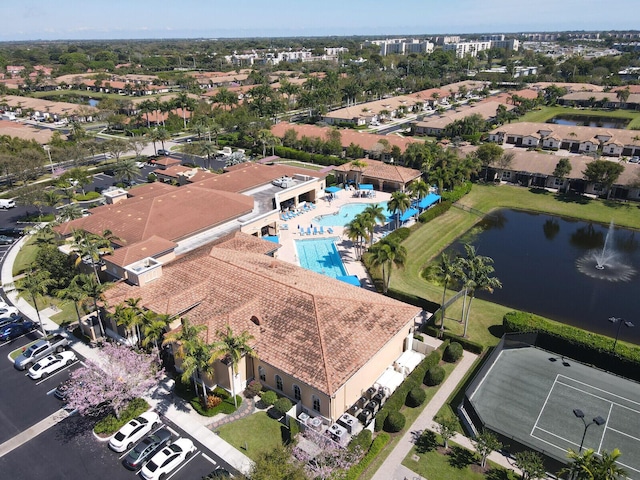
[529,395]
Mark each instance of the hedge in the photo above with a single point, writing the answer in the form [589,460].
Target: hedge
[394,422]
[469,345]
[457,193]
[434,212]
[416,397]
[361,441]
[581,345]
[453,352]
[434,376]
[399,397]
[293,154]
[378,444]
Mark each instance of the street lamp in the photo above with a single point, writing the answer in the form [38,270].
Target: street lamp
[48,149]
[619,321]
[596,420]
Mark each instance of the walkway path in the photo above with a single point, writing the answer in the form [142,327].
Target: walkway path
[246,409]
[392,468]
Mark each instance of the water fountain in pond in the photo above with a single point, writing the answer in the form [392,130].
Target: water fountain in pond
[606,263]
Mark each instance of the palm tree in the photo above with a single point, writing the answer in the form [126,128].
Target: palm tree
[153,328]
[264,137]
[127,170]
[356,231]
[232,348]
[194,352]
[91,288]
[385,254]
[476,271]
[418,189]
[184,102]
[209,149]
[33,284]
[91,246]
[73,293]
[69,212]
[373,215]
[128,317]
[448,269]
[358,166]
[398,204]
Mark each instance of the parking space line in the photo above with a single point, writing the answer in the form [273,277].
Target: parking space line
[173,431]
[211,460]
[150,433]
[51,391]
[184,464]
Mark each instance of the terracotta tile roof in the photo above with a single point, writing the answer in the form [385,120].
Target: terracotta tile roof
[166,161]
[151,247]
[245,176]
[174,215]
[317,329]
[383,171]
[366,140]
[571,132]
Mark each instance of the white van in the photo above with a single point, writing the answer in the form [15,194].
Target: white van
[7,203]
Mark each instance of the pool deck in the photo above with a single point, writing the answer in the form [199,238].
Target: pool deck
[345,246]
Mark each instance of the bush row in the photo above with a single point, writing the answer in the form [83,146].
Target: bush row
[111,424]
[317,158]
[399,397]
[457,193]
[581,345]
[434,212]
[469,345]
[378,444]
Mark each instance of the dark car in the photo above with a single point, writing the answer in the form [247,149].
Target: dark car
[14,330]
[4,321]
[146,448]
[61,390]
[4,240]
[11,231]
[218,473]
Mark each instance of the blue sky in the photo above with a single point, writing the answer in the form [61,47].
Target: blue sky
[118,19]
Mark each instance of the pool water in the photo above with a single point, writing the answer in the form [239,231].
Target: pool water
[320,255]
[346,214]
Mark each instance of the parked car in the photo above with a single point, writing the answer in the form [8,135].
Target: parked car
[133,431]
[14,330]
[147,448]
[61,390]
[57,343]
[635,159]
[9,319]
[7,203]
[218,473]
[4,240]
[8,311]
[168,459]
[164,152]
[11,231]
[48,365]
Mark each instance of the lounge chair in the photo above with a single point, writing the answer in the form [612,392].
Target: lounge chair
[301,232]
[321,230]
[308,230]
[315,230]
[284,226]
[330,230]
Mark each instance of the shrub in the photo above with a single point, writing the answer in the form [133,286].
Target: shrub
[213,401]
[225,406]
[457,193]
[110,424]
[468,345]
[416,397]
[294,428]
[452,353]
[394,422]
[434,212]
[152,177]
[253,388]
[282,405]
[87,196]
[269,397]
[434,376]
[378,444]
[361,441]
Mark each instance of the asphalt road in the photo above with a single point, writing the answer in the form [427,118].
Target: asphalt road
[24,402]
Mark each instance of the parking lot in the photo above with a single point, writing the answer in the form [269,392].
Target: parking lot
[68,449]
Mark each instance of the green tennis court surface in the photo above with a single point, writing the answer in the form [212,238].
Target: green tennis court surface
[529,395]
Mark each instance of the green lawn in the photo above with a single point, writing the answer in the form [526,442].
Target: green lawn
[255,434]
[427,241]
[26,256]
[295,163]
[460,463]
[543,114]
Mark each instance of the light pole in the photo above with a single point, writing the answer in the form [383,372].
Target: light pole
[596,420]
[48,149]
[619,321]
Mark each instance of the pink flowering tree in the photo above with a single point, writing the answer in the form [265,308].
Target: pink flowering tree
[120,375]
[326,459]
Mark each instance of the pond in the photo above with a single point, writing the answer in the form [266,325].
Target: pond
[93,102]
[536,259]
[590,121]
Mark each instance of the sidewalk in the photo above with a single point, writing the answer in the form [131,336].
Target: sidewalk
[392,468]
[161,399]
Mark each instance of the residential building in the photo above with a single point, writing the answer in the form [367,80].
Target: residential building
[463,49]
[401,46]
[384,176]
[436,124]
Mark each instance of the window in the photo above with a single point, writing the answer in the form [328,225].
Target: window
[558,182]
[262,374]
[278,382]
[296,392]
[316,403]
[506,175]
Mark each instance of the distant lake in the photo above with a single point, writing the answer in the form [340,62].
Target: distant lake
[535,259]
[590,121]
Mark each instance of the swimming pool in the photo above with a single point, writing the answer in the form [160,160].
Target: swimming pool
[320,255]
[346,214]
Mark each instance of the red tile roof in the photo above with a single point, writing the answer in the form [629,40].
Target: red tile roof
[151,247]
[312,327]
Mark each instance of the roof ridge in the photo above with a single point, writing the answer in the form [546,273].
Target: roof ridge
[322,346]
